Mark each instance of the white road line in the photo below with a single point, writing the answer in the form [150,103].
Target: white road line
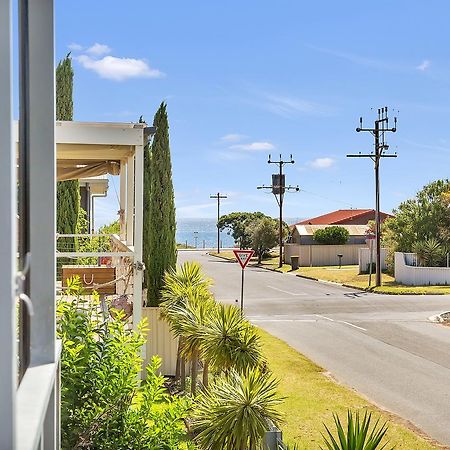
[286,292]
[324,317]
[341,321]
[284,320]
[352,325]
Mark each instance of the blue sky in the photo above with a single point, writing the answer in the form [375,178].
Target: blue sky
[246,78]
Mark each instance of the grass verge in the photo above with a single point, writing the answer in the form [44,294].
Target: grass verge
[349,276]
[312,397]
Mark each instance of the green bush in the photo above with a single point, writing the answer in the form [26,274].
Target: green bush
[103,403]
[334,235]
[359,434]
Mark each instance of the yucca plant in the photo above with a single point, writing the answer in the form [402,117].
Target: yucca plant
[359,434]
[236,411]
[188,321]
[184,282]
[430,253]
[229,341]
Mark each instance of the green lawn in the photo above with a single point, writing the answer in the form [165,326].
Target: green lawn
[312,397]
[349,276]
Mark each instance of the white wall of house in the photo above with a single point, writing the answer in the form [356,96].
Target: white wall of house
[323,255]
[418,276]
[364,258]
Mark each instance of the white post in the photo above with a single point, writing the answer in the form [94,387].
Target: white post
[8,348]
[42,198]
[130,201]
[122,199]
[139,201]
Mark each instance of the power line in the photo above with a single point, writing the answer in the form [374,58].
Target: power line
[279,188]
[218,196]
[379,131]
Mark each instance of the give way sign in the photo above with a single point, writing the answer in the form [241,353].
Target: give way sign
[243,256]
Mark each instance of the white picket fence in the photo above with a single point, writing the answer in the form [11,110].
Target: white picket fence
[364,258]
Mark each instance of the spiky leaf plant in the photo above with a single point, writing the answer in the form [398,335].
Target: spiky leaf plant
[236,411]
[358,435]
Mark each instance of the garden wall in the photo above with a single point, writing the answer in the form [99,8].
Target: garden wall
[160,341]
[323,255]
[410,275]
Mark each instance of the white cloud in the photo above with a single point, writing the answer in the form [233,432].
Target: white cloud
[290,106]
[424,65]
[361,60]
[75,47]
[254,146]
[98,49]
[322,163]
[233,137]
[119,69]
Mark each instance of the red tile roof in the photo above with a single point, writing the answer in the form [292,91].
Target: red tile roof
[340,216]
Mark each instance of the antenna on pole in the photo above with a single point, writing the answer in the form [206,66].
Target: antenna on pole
[381,127]
[278,189]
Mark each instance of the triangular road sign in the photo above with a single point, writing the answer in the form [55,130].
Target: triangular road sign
[243,256]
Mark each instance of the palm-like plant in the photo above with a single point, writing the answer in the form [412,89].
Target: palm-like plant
[229,341]
[185,282]
[430,252]
[236,411]
[359,434]
[182,282]
[187,321]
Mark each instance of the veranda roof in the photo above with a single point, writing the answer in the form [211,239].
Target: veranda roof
[89,149]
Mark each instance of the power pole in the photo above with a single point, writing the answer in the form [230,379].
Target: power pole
[218,196]
[380,128]
[278,188]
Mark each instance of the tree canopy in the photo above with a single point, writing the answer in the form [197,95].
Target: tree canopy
[264,235]
[160,251]
[333,235]
[427,216]
[67,192]
[236,225]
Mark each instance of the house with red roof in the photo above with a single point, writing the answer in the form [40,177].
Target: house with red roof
[345,217]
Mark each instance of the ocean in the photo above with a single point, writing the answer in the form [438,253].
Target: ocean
[202,233]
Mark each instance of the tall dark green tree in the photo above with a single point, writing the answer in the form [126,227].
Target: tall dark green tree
[68,192]
[160,250]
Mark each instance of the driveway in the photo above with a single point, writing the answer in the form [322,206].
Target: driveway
[382,346]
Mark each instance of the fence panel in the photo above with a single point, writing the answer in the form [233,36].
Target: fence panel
[323,255]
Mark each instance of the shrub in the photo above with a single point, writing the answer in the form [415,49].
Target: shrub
[358,435]
[430,253]
[103,404]
[236,411]
[333,235]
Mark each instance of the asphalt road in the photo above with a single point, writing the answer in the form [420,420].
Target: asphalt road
[383,346]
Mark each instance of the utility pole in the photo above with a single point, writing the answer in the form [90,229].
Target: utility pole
[278,188]
[218,196]
[380,128]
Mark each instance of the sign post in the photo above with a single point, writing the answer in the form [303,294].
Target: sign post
[243,257]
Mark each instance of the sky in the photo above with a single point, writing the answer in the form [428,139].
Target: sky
[243,79]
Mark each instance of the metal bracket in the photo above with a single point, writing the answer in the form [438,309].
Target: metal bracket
[20,281]
[139,265]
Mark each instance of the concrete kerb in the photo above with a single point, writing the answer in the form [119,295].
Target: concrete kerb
[440,318]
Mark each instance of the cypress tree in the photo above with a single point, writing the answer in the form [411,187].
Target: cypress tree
[68,192]
[159,215]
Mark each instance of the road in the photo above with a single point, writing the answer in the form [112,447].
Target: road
[382,346]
